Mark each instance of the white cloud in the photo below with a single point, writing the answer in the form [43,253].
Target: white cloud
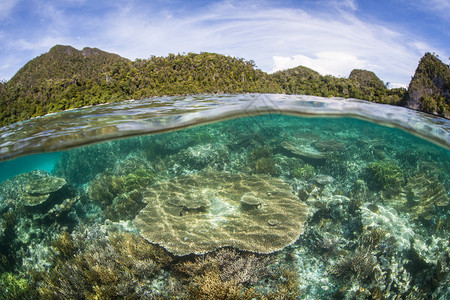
[326,63]
[274,38]
[43,44]
[6,6]
[346,4]
[439,8]
[333,41]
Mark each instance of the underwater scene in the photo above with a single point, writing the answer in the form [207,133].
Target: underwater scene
[268,206]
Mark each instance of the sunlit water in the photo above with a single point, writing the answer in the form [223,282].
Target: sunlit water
[374,178]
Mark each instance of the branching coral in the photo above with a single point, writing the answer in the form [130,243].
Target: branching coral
[363,261]
[424,192]
[261,162]
[360,264]
[210,286]
[305,172]
[89,265]
[120,196]
[384,175]
[231,274]
[230,265]
[13,287]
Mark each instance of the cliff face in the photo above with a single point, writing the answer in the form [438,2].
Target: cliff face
[429,89]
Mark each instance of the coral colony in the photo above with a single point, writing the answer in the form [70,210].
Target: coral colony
[276,207]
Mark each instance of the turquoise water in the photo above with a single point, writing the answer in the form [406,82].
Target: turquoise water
[270,206]
[45,161]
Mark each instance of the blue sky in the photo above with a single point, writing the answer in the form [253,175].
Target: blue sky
[329,36]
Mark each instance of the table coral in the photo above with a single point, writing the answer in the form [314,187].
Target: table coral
[201,212]
[38,192]
[305,151]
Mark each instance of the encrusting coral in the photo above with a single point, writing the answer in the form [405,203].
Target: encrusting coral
[201,212]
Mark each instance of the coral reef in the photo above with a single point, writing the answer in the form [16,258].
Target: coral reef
[13,287]
[305,151]
[384,175]
[202,212]
[171,216]
[120,196]
[425,192]
[261,162]
[39,193]
[93,264]
[305,172]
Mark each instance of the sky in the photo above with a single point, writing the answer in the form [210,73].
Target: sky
[330,36]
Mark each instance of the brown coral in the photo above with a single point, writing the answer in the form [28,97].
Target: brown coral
[38,192]
[210,286]
[425,192]
[202,212]
[225,274]
[230,265]
[97,265]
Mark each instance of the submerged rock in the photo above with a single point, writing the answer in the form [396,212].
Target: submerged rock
[202,212]
[322,179]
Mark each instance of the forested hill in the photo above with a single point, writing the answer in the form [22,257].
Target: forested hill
[67,78]
[65,63]
[360,84]
[429,89]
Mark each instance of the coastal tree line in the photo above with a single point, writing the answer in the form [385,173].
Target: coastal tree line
[66,78]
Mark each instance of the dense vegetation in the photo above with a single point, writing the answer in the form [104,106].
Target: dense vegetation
[429,89]
[361,84]
[67,78]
